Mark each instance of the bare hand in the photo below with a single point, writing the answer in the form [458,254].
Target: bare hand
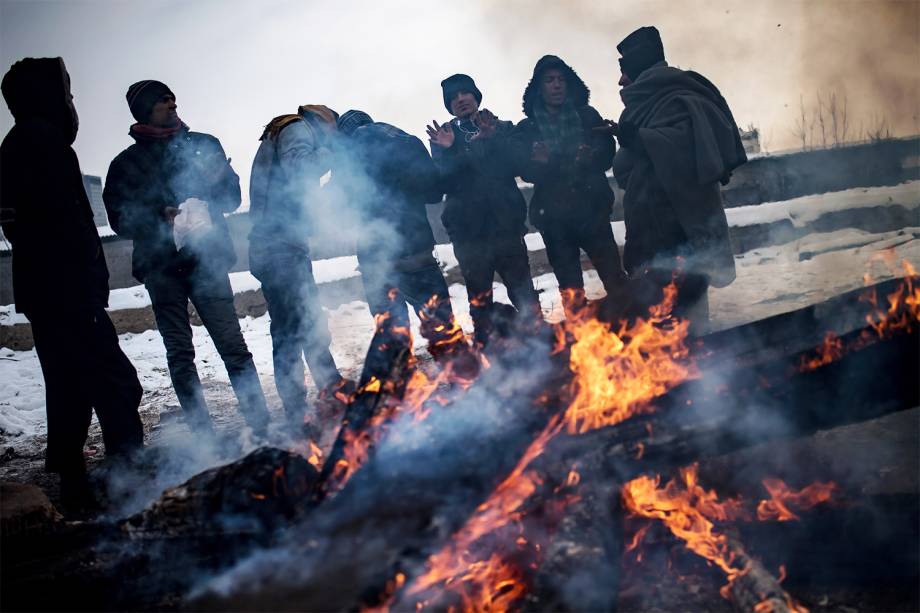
[540,152]
[487,123]
[608,126]
[440,135]
[170,214]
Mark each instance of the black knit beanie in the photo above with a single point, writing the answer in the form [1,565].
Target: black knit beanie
[640,50]
[457,83]
[143,95]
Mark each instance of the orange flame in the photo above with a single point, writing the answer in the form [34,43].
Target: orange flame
[782,497]
[477,581]
[419,391]
[316,455]
[901,314]
[616,374]
[689,511]
[680,506]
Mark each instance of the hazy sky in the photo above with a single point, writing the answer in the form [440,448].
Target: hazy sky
[236,64]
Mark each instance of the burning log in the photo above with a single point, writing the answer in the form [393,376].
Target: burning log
[384,523]
[702,419]
[756,589]
[487,462]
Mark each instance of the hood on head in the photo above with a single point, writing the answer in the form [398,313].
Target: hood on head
[576,90]
[40,87]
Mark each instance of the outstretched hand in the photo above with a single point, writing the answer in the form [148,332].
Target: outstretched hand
[487,123]
[440,135]
[608,126]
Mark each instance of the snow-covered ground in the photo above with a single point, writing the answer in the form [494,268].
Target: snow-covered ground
[770,280]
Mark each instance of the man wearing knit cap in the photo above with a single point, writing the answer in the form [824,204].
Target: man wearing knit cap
[284,189]
[678,142]
[168,192]
[484,212]
[60,279]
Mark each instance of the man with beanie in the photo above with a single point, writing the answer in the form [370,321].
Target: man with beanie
[294,153]
[484,211]
[389,177]
[60,278]
[678,142]
[168,192]
[566,157]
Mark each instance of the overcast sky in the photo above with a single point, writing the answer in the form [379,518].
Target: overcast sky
[236,64]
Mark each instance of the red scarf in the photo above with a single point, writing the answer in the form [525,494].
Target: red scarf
[145,131]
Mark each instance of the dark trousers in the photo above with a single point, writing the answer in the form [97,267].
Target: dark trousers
[85,369]
[564,242]
[388,288]
[212,296]
[298,325]
[479,261]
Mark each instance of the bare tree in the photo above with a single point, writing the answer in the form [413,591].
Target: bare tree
[878,129]
[826,123]
[801,124]
[837,110]
[819,114]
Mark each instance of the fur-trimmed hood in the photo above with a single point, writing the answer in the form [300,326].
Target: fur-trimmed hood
[577,91]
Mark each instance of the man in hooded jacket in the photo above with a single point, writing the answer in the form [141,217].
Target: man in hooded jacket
[60,278]
[679,141]
[171,171]
[294,153]
[484,211]
[566,156]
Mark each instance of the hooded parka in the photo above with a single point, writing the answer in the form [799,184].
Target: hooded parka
[572,198]
[60,279]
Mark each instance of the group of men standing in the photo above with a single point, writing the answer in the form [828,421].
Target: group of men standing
[169,191]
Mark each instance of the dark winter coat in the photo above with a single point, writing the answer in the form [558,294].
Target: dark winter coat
[565,191]
[483,200]
[58,263]
[151,175]
[679,142]
[391,180]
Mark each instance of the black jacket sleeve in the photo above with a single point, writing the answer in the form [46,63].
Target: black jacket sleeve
[128,198]
[225,192]
[603,146]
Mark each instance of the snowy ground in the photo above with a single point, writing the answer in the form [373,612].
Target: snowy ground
[770,280]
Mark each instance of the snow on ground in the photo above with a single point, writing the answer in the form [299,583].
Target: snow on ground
[806,209]
[770,280]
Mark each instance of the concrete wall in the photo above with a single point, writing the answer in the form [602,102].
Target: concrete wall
[763,179]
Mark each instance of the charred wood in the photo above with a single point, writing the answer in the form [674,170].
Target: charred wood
[150,560]
[756,589]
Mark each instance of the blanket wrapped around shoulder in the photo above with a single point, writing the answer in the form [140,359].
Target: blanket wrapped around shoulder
[684,126]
